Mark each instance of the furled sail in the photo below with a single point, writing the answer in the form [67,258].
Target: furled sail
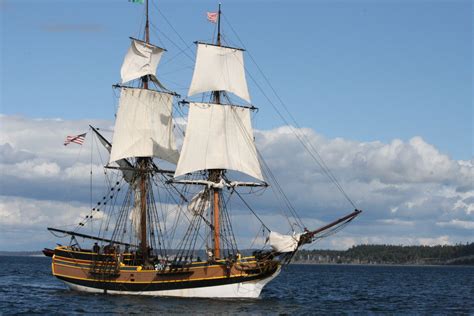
[283,243]
[219,68]
[144,127]
[218,137]
[199,203]
[142,59]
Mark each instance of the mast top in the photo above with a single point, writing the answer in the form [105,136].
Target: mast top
[147,40]
[218,26]
[219,68]
[147,24]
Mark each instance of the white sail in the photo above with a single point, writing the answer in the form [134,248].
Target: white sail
[283,243]
[217,69]
[218,137]
[136,213]
[199,203]
[141,59]
[144,127]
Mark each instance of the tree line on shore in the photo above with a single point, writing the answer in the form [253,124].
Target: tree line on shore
[461,254]
[390,254]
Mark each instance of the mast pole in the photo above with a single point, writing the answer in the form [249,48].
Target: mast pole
[143,162]
[217,247]
[147,40]
[143,166]
[147,25]
[215,175]
[219,26]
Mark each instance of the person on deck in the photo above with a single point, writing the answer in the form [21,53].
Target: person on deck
[210,255]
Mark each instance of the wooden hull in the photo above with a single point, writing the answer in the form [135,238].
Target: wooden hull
[85,271]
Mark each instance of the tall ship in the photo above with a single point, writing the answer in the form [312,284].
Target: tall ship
[166,226]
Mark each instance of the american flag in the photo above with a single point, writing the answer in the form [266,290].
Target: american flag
[78,139]
[212,17]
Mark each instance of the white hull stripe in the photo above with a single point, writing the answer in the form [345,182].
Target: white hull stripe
[250,289]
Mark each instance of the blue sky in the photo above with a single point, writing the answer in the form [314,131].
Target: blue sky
[382,88]
[363,70]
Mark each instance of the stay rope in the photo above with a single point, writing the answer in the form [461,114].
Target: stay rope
[302,138]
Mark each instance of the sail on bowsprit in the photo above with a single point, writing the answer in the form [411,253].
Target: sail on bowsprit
[197,255]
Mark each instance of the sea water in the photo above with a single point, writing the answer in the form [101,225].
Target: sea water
[27,286]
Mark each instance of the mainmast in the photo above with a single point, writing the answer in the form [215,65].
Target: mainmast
[215,175]
[218,137]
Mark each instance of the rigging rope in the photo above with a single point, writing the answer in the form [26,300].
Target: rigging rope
[189,243]
[250,142]
[300,136]
[251,210]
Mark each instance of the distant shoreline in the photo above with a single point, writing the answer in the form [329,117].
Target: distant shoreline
[296,263]
[367,255]
[382,264]
[391,255]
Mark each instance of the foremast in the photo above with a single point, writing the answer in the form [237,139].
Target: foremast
[143,163]
[216,174]
[143,131]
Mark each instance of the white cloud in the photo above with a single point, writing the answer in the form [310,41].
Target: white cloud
[396,180]
[430,241]
[457,224]
[9,155]
[395,163]
[32,169]
[27,213]
[395,221]
[409,191]
[466,203]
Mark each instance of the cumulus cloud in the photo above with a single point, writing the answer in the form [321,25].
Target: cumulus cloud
[9,155]
[395,163]
[399,179]
[24,213]
[410,192]
[395,221]
[23,221]
[457,224]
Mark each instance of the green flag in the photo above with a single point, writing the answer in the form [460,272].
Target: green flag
[136,1]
